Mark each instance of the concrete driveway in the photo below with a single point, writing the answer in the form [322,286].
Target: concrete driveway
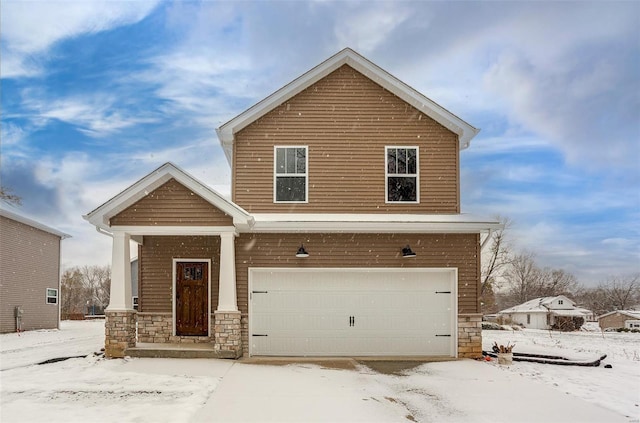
[348,391]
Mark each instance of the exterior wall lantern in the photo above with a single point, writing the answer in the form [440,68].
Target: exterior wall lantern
[407,252]
[302,253]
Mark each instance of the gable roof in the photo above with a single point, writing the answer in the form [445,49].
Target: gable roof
[536,305]
[101,215]
[634,314]
[30,222]
[226,132]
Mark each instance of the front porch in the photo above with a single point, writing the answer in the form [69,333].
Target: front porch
[211,325]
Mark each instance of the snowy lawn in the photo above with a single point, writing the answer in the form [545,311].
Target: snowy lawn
[199,390]
[617,388]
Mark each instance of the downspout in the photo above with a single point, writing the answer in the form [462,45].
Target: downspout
[486,240]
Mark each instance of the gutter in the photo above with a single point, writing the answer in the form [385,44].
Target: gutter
[103,232]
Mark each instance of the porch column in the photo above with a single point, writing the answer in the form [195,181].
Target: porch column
[227,318]
[120,317]
[120,294]
[227,300]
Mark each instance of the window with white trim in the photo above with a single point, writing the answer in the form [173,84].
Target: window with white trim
[402,174]
[290,174]
[52,296]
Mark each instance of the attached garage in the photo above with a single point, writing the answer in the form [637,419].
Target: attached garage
[353,312]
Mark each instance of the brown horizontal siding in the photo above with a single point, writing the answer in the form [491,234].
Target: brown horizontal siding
[155,286]
[362,250]
[172,204]
[29,264]
[346,120]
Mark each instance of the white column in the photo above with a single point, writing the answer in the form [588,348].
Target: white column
[120,297]
[227,300]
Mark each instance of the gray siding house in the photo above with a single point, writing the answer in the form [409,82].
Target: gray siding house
[29,274]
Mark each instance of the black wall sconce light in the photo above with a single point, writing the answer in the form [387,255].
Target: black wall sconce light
[302,252]
[407,252]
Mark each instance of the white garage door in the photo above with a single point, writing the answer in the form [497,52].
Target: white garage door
[324,312]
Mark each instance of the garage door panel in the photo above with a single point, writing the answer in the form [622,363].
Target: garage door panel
[352,312]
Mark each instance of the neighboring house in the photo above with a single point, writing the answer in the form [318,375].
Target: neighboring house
[343,236]
[29,274]
[629,319]
[557,312]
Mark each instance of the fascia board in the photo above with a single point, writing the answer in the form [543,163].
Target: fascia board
[369,227]
[101,215]
[30,222]
[413,97]
[174,230]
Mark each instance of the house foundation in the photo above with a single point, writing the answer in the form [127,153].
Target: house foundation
[120,332]
[470,335]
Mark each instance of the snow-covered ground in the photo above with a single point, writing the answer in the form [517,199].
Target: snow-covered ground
[617,388]
[32,347]
[173,390]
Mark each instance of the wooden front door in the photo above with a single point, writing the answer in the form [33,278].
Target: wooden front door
[192,294]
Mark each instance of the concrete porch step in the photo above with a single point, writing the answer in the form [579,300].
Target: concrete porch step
[144,350]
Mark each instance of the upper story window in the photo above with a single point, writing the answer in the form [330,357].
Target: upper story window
[560,302]
[402,174]
[290,174]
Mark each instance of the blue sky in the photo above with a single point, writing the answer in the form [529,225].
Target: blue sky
[97,94]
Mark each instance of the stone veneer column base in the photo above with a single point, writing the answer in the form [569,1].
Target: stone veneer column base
[227,334]
[120,332]
[470,335]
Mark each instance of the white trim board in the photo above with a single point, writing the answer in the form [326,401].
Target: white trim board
[100,216]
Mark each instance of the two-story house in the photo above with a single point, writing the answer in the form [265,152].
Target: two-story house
[343,235]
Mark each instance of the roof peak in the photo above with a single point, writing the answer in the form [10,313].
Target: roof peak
[465,131]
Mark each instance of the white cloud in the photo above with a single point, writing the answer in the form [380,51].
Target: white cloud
[96,115]
[31,27]
[365,26]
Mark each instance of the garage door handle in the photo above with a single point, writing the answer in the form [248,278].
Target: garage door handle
[443,292]
[259,334]
[443,335]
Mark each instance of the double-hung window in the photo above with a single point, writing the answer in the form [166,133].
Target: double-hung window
[52,296]
[290,174]
[402,174]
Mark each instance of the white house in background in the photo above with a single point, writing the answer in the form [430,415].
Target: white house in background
[546,313]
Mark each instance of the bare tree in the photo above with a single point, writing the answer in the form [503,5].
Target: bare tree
[522,277]
[552,282]
[97,281]
[85,287]
[593,299]
[621,292]
[493,263]
[526,281]
[8,197]
[72,295]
